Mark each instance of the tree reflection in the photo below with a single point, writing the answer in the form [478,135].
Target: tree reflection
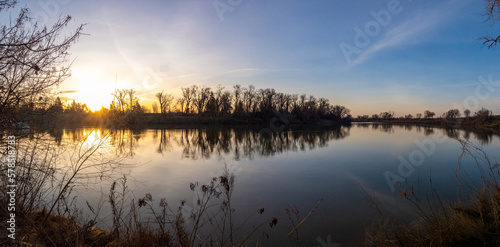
[165,140]
[208,142]
[204,143]
[125,141]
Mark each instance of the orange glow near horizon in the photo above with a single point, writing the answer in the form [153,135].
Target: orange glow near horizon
[91,88]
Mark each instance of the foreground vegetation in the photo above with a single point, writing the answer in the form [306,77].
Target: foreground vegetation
[46,211]
[473,220]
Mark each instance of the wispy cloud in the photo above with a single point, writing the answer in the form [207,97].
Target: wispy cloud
[254,71]
[413,30]
[242,70]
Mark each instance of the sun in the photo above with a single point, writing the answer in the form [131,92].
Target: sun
[94,95]
[92,88]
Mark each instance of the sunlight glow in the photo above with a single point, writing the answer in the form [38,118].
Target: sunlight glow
[94,138]
[91,89]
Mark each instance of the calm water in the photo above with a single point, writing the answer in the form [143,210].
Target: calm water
[344,166]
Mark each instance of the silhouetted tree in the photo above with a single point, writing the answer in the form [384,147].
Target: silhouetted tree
[429,114]
[237,93]
[32,61]
[200,97]
[155,108]
[76,108]
[212,107]
[483,116]
[225,103]
[165,101]
[467,113]
[387,115]
[248,98]
[452,114]
[133,102]
[120,100]
[57,107]
[340,112]
[188,95]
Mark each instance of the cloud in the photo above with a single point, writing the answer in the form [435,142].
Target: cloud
[242,70]
[413,30]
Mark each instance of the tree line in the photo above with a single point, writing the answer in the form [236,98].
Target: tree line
[246,101]
[239,103]
[480,117]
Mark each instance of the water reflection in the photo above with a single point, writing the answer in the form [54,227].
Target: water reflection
[248,143]
[203,143]
[483,136]
[332,173]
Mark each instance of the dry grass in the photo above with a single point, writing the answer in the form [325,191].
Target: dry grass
[471,222]
[47,215]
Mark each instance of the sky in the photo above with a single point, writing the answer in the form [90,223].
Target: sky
[370,56]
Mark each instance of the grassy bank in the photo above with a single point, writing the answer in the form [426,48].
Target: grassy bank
[140,221]
[473,220]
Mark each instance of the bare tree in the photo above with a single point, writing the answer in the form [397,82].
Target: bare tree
[493,15]
[387,115]
[33,60]
[339,111]
[120,100]
[225,103]
[201,97]
[181,102]
[237,95]
[168,102]
[482,116]
[218,98]
[452,114]
[133,102]
[162,100]
[165,101]
[188,95]
[429,114]
[302,102]
[467,113]
[248,97]
[155,107]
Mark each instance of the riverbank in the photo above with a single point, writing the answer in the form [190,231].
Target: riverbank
[174,120]
[472,220]
[491,123]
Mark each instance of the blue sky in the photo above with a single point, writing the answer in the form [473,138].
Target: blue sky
[425,56]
